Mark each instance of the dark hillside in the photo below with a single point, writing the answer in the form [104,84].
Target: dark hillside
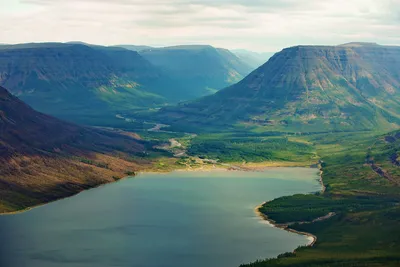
[43,158]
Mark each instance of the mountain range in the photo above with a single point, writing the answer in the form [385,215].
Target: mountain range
[71,80]
[307,88]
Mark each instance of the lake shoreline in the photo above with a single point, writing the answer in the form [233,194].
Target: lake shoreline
[247,167]
[235,166]
[16,212]
[286,227]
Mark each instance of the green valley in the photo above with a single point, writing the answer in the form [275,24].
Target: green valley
[332,106]
[335,108]
[201,133]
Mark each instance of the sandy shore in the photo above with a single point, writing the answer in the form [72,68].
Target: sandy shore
[205,168]
[262,166]
[20,211]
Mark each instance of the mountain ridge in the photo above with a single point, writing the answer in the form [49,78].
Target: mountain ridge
[62,78]
[77,81]
[331,87]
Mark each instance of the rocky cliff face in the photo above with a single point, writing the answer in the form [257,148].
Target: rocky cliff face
[315,87]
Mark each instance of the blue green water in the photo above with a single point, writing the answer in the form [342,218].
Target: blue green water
[164,220]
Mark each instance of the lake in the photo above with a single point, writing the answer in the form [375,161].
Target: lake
[158,220]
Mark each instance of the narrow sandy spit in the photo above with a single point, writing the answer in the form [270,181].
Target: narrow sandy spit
[286,227]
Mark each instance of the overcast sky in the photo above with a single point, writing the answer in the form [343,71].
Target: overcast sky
[258,25]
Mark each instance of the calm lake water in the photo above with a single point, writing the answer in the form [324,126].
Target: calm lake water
[158,220]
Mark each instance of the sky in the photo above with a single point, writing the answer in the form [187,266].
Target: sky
[257,25]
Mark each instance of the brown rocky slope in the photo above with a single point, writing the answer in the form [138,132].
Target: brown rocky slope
[43,158]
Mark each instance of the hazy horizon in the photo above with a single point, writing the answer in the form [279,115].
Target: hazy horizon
[194,44]
[260,25]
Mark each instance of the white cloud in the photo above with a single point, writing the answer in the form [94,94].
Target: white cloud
[261,25]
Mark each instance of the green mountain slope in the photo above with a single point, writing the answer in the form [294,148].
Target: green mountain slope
[67,79]
[308,88]
[200,69]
